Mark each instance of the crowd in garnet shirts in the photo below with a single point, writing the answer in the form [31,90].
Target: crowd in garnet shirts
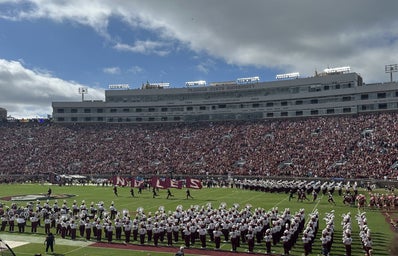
[340,146]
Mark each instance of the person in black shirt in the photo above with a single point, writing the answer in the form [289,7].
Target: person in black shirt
[50,241]
[115,190]
[189,194]
[169,194]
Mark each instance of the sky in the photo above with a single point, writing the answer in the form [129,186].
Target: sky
[49,49]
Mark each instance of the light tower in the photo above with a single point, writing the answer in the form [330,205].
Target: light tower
[391,69]
[82,91]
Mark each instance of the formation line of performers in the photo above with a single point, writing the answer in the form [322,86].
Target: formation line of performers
[198,226]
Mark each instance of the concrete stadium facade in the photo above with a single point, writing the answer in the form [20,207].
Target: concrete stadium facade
[321,95]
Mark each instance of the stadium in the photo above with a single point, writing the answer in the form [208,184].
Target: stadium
[307,166]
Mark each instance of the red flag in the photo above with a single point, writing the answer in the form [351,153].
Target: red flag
[193,183]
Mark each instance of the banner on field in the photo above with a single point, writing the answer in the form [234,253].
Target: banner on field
[165,183]
[193,183]
[121,181]
[137,182]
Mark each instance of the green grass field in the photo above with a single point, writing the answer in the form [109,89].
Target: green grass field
[381,233]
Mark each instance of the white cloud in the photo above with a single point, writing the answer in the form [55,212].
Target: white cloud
[111,70]
[29,93]
[289,35]
[144,47]
[136,70]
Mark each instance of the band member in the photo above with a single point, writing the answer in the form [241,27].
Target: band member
[268,240]
[202,236]
[118,229]
[73,228]
[142,233]
[128,225]
[217,237]
[98,234]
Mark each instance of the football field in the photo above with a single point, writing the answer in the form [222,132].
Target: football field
[381,230]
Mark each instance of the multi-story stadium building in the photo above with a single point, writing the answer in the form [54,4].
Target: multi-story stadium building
[336,92]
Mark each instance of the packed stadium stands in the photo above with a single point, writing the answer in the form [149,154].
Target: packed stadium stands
[333,147]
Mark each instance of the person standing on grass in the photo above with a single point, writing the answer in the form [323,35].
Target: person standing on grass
[188,193]
[49,242]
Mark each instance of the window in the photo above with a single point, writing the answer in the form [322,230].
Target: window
[60,110]
[74,119]
[87,119]
[337,86]
[330,111]
[120,119]
[299,113]
[138,110]
[326,87]
[284,103]
[87,110]
[151,119]
[202,107]
[151,109]
[314,101]
[138,119]
[222,106]
[60,119]
[100,119]
[383,106]
[100,110]
[255,105]
[73,110]
[346,98]
[164,109]
[189,108]
[364,96]
[314,112]
[381,95]
[163,118]
[125,110]
[177,118]
[396,94]
[113,110]
[299,102]
[346,110]
[270,104]
[270,114]
[283,113]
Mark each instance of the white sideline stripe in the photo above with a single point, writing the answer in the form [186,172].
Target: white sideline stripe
[39,239]
[14,244]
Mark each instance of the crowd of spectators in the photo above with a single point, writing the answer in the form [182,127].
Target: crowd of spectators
[341,146]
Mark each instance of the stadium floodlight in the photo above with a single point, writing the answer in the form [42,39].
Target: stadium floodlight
[82,91]
[391,69]
[288,76]
[119,86]
[248,80]
[195,83]
[337,70]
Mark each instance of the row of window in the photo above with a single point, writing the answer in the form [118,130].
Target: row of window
[230,94]
[380,95]
[237,116]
